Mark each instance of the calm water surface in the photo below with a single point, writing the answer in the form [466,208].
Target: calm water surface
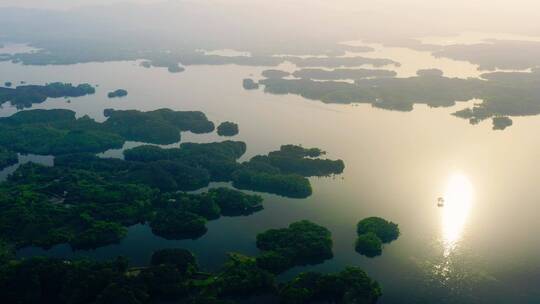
[481,247]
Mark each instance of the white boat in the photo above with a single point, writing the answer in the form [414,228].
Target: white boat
[440,202]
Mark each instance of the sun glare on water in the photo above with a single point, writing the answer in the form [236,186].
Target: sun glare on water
[458,199]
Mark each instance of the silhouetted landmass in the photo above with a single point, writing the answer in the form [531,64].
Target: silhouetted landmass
[227,128]
[117,93]
[250,84]
[174,277]
[7,158]
[8,84]
[501,122]
[503,93]
[372,233]
[26,95]
[494,54]
[302,243]
[338,74]
[335,62]
[275,74]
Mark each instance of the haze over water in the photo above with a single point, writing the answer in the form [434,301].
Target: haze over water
[480,247]
[397,165]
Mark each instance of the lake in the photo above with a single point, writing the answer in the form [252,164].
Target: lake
[481,247]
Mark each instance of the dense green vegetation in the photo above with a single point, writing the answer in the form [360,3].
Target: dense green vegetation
[302,243]
[372,233]
[7,158]
[280,172]
[117,93]
[250,84]
[160,126]
[284,172]
[369,244]
[227,128]
[173,277]
[87,201]
[26,95]
[351,285]
[59,132]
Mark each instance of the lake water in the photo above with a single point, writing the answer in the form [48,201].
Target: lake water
[480,248]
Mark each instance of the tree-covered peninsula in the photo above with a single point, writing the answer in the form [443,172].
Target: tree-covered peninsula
[25,95]
[55,132]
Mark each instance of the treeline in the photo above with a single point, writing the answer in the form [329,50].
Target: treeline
[25,95]
[173,276]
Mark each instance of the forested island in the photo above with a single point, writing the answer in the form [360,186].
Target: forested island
[503,94]
[26,95]
[373,232]
[302,243]
[250,84]
[173,276]
[117,93]
[227,128]
[88,201]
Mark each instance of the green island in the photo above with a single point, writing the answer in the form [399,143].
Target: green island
[7,158]
[227,128]
[173,276]
[24,96]
[373,232]
[280,172]
[502,93]
[56,132]
[302,243]
[117,93]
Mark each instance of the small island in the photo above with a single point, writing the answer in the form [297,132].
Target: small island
[501,122]
[8,84]
[302,243]
[372,233]
[117,93]
[227,128]
[250,84]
